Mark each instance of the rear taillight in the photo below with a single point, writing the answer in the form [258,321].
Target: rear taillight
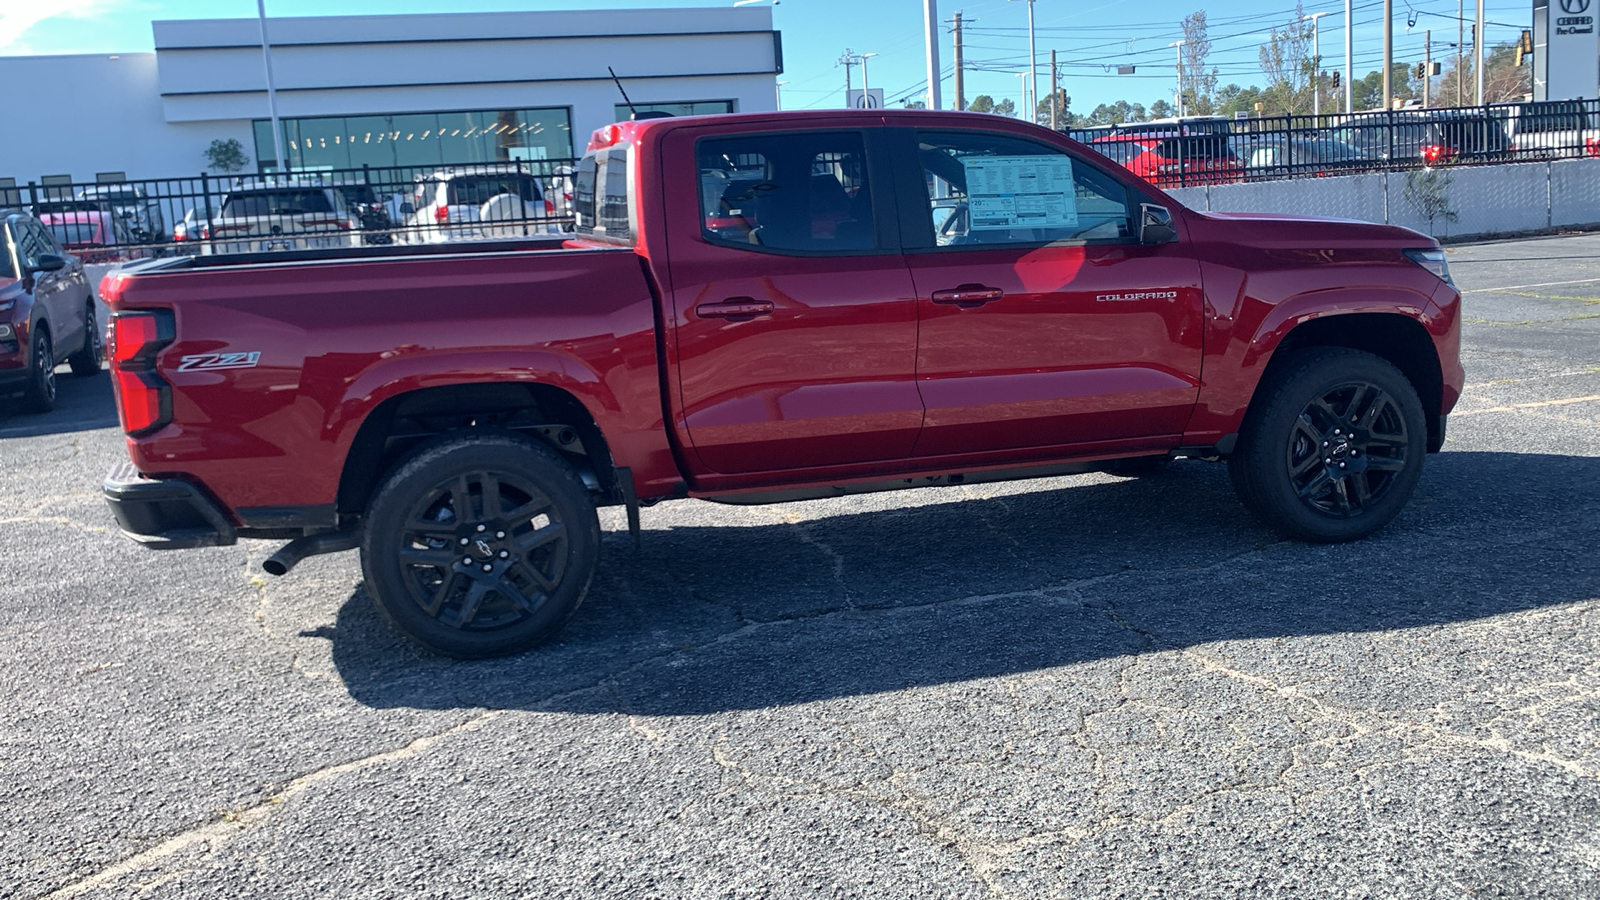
[549,208]
[1433,153]
[441,214]
[144,398]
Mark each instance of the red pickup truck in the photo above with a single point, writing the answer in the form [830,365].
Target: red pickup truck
[763,308]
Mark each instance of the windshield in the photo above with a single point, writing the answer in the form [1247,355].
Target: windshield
[477,189]
[281,202]
[73,233]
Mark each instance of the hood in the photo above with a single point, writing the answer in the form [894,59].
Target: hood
[1290,232]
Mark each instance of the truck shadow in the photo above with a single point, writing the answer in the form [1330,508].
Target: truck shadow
[82,404]
[714,617]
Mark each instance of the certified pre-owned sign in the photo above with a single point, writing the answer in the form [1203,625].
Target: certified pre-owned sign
[1574,22]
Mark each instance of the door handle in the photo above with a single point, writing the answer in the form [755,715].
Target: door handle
[968,296]
[734,308]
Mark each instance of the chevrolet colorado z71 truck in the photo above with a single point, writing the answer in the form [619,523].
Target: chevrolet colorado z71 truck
[764,308]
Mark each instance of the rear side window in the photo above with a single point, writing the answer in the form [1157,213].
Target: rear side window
[805,191]
[1196,147]
[275,203]
[1546,117]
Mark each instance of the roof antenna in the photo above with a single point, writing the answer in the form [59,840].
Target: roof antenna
[624,93]
[636,115]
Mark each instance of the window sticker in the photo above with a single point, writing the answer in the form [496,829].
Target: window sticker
[1020,192]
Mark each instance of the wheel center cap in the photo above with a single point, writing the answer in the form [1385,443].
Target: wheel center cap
[484,550]
[1340,449]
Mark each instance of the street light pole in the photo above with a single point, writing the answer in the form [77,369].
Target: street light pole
[272,95]
[864,92]
[1388,54]
[930,25]
[1033,69]
[1179,45]
[1316,63]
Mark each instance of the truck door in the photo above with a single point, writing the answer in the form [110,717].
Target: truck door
[1044,322]
[793,315]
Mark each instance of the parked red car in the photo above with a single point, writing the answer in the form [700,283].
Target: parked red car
[46,312]
[1169,159]
[767,308]
[94,237]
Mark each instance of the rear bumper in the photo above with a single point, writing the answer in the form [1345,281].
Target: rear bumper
[165,513]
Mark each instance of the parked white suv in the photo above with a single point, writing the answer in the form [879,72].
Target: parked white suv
[260,216]
[477,203]
[1550,129]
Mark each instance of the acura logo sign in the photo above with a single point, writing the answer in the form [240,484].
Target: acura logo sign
[1574,7]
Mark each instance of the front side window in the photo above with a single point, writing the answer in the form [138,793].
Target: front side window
[806,191]
[988,189]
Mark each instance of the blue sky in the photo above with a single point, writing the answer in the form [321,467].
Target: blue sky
[1088,36]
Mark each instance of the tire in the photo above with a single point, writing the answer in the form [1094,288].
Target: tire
[1306,470]
[86,361]
[40,394]
[434,525]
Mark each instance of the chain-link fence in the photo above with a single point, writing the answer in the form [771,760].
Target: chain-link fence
[205,214]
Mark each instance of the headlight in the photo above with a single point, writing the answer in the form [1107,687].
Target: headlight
[1433,260]
[7,333]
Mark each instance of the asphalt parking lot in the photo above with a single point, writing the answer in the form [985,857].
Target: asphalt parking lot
[1078,687]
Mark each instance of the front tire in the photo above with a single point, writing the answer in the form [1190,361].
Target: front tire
[1332,447]
[480,545]
[40,395]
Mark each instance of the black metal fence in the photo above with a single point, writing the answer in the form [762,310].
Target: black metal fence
[206,214]
[1202,150]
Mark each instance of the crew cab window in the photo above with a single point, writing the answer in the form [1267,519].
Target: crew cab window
[805,191]
[988,189]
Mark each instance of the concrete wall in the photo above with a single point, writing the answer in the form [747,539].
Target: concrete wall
[1466,202]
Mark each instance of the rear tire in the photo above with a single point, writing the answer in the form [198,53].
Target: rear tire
[1332,447]
[87,360]
[480,545]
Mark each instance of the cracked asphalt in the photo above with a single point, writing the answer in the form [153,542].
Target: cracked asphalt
[1075,687]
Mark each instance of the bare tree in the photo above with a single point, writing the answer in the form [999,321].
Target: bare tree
[1199,87]
[1286,61]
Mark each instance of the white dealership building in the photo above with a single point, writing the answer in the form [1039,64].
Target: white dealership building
[412,90]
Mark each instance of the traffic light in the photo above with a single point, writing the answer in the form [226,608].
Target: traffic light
[1524,47]
[1336,76]
[1420,72]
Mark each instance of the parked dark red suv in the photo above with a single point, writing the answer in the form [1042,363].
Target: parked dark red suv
[1169,159]
[46,313]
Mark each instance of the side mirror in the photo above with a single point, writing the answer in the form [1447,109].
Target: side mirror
[49,262]
[1155,225]
[407,209]
[126,214]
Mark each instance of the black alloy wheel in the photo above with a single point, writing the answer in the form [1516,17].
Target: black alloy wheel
[40,396]
[87,360]
[1347,449]
[481,545]
[1332,447]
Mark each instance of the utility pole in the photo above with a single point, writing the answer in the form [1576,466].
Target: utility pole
[846,59]
[1477,51]
[1316,68]
[1388,54]
[1461,41]
[1427,65]
[930,26]
[272,94]
[1179,45]
[1055,93]
[1349,60]
[961,98]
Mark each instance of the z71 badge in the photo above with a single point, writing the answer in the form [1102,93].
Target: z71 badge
[212,361]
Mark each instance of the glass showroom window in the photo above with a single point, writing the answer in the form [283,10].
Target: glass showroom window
[418,139]
[686,108]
